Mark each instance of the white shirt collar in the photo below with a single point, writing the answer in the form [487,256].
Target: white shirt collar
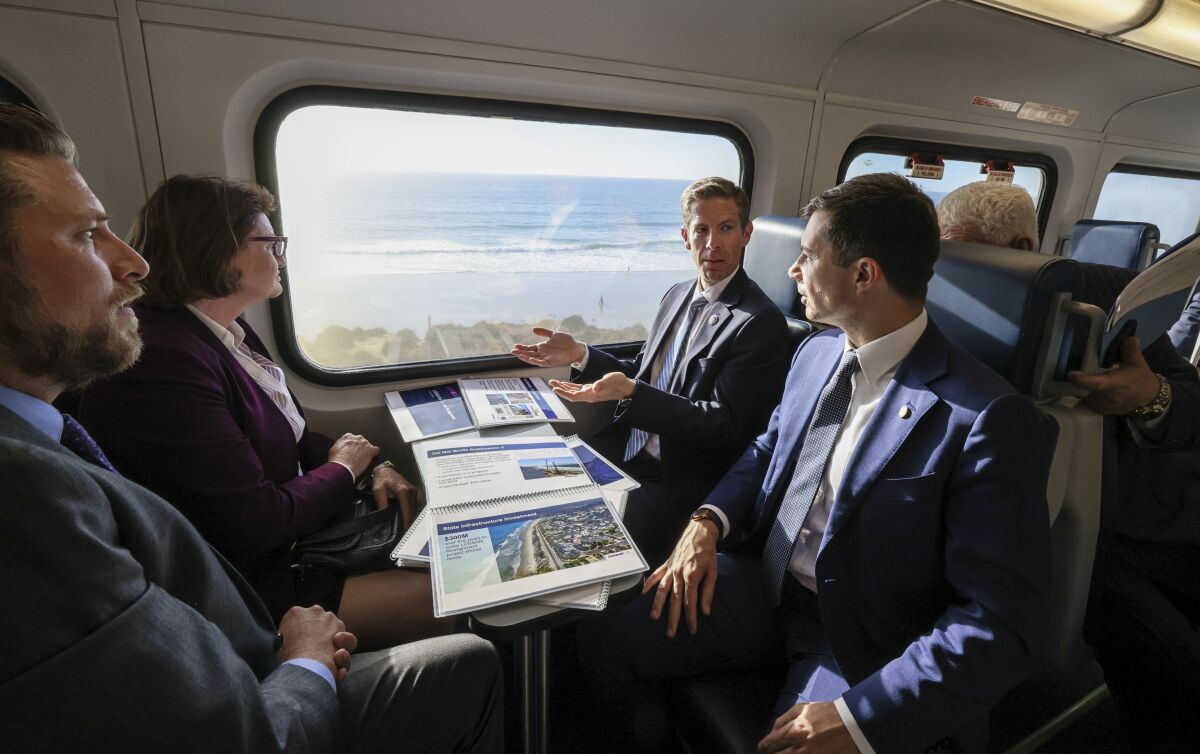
[879,358]
[714,291]
[231,336]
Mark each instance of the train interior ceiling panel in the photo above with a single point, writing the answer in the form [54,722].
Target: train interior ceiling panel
[319,100]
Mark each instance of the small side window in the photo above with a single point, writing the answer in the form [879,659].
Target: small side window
[956,166]
[1170,199]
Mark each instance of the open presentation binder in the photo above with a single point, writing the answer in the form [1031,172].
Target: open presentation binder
[492,552]
[457,471]
[436,410]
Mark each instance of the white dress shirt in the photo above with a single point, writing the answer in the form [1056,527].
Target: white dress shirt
[710,294]
[878,361]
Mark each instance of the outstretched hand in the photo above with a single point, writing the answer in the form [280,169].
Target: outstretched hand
[611,387]
[688,579]
[557,350]
[1123,388]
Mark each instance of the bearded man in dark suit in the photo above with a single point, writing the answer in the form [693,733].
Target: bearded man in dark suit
[126,631]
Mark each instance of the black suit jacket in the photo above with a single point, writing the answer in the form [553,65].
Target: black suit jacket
[124,631]
[726,385]
[1157,484]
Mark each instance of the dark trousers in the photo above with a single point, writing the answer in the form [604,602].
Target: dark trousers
[1143,619]
[625,657]
[653,521]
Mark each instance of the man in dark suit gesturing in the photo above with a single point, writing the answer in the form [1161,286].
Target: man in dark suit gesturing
[703,384]
[893,517]
[125,631]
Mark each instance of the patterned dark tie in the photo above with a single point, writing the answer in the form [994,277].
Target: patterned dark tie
[76,439]
[637,437]
[810,470]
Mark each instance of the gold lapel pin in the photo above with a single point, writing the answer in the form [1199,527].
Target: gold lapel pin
[905,412]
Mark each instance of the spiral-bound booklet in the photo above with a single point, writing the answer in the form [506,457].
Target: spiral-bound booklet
[458,470]
[491,552]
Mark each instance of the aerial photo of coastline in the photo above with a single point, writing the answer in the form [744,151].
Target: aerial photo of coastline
[565,537]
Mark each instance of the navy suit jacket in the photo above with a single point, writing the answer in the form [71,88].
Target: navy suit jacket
[933,571]
[124,631]
[725,386]
[188,422]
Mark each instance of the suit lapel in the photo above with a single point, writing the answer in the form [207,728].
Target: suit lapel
[672,304]
[712,324]
[823,356]
[890,425]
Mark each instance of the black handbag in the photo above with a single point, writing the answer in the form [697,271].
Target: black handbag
[359,541]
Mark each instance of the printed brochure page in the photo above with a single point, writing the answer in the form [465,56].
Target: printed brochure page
[508,400]
[459,470]
[494,553]
[1152,302]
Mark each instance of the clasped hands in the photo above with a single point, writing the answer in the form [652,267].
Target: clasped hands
[358,453]
[559,349]
[315,634]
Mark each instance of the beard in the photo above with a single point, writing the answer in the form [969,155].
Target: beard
[70,357]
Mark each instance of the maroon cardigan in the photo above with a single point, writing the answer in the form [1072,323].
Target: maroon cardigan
[188,422]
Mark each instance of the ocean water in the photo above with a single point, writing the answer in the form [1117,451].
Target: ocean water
[415,251]
[421,224]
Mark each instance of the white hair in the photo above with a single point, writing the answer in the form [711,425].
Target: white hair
[998,214]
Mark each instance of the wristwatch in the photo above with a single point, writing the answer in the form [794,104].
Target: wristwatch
[707,514]
[1156,407]
[364,484]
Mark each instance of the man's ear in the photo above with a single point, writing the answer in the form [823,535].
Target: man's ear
[867,273]
[1023,243]
[683,233]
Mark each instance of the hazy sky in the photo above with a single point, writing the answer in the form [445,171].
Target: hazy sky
[329,141]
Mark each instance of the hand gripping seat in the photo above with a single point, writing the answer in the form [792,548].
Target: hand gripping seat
[773,247]
[1115,243]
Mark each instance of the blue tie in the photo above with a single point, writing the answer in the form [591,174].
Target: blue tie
[812,459]
[637,437]
[76,439]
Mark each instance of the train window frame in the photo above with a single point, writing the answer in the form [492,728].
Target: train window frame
[1129,168]
[278,109]
[966,153]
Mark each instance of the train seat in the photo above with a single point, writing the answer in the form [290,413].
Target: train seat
[1011,312]
[1114,242]
[773,248]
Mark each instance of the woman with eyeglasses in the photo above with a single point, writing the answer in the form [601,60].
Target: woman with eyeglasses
[206,420]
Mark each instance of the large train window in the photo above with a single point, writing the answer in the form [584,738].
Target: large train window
[428,234]
[938,169]
[1168,198]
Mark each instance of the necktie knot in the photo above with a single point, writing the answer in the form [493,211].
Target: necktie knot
[76,439]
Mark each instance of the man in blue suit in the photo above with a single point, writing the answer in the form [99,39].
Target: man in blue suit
[886,539]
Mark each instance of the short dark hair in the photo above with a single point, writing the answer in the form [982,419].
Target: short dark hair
[24,131]
[189,232]
[714,188]
[885,217]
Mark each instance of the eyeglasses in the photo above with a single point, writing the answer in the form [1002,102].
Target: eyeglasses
[276,244]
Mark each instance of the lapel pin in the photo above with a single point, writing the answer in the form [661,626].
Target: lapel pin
[905,412]
[712,321]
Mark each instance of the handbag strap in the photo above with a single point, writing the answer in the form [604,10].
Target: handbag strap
[355,525]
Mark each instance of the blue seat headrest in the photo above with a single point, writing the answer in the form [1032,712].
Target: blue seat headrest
[1113,242]
[994,302]
[773,247]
